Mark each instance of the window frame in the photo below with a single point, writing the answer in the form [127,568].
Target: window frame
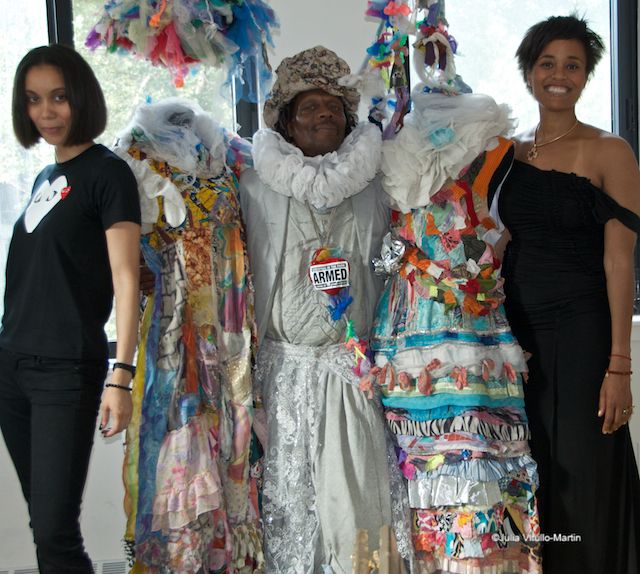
[624,70]
[60,21]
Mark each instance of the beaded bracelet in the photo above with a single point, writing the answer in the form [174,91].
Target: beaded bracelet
[620,356]
[118,387]
[609,372]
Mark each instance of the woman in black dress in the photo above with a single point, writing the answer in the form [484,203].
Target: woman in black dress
[571,204]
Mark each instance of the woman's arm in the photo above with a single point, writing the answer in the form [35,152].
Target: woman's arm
[123,245]
[501,245]
[622,182]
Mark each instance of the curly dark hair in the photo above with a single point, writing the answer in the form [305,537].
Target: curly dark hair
[559,28]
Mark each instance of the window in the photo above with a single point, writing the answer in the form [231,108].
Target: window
[488,35]
[23,26]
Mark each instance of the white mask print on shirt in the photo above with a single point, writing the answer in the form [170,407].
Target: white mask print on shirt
[44,200]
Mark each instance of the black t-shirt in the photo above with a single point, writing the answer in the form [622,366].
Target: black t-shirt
[59,290]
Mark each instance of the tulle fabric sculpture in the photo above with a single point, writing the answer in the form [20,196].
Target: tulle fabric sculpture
[178,34]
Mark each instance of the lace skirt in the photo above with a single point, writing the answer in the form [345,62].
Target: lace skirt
[326,461]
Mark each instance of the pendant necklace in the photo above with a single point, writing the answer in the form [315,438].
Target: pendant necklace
[533,152]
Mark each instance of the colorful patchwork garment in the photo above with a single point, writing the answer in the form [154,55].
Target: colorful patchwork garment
[190,499]
[450,370]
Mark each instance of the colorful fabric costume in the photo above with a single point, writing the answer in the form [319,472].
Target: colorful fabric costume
[190,500]
[449,367]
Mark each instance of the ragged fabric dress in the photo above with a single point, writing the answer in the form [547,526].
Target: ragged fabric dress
[326,459]
[557,305]
[190,499]
[450,369]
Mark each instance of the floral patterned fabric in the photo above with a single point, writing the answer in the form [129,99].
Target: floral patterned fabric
[451,375]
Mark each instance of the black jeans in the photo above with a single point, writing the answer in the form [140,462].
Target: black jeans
[48,412]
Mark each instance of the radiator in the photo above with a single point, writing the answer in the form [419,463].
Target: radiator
[102,567]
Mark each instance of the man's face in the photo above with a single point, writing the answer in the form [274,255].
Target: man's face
[318,122]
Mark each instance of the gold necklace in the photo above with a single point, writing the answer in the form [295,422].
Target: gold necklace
[533,152]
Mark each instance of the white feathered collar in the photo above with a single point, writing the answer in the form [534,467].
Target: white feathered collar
[323,181]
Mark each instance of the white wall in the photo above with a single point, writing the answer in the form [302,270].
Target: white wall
[336,24]
[634,424]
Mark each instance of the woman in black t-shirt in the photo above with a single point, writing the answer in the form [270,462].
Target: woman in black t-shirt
[74,247]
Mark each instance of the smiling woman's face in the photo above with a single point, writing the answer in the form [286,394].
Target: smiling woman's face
[559,75]
[318,122]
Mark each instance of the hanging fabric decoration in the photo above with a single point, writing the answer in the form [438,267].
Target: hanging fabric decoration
[179,34]
[385,67]
[384,75]
[446,368]
[437,68]
[191,497]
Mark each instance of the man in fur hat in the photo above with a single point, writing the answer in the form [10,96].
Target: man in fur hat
[315,218]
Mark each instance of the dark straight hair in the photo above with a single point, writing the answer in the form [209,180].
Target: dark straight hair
[83,92]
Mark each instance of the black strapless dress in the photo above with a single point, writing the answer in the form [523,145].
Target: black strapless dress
[558,309]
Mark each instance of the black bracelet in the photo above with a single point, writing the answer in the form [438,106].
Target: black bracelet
[126,367]
[118,387]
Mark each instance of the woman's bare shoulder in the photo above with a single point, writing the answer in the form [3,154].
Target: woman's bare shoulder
[608,151]
[602,138]
[616,164]
[608,160]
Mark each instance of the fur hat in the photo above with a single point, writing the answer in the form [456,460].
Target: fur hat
[314,69]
